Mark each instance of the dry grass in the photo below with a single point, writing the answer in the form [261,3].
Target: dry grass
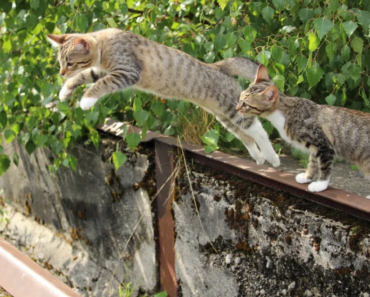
[195,124]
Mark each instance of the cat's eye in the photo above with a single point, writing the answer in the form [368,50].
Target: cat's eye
[70,64]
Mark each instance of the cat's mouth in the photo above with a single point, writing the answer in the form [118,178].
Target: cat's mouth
[245,109]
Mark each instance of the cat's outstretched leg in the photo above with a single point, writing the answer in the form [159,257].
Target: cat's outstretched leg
[87,76]
[325,159]
[312,168]
[111,83]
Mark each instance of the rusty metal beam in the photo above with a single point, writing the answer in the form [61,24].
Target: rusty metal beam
[22,277]
[164,160]
[334,198]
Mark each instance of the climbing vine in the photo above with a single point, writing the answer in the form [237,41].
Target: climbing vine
[313,49]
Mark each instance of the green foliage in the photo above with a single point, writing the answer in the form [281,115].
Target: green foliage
[313,49]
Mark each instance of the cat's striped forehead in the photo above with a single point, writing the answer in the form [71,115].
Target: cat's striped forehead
[258,88]
[66,47]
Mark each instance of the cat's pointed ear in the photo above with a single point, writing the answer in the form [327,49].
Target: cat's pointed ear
[262,74]
[57,40]
[81,45]
[270,95]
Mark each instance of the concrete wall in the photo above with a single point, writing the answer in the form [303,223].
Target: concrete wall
[246,240]
[77,223]
[268,243]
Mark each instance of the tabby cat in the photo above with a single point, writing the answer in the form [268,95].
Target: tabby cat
[321,130]
[115,60]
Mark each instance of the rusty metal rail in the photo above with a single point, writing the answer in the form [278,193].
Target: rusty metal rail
[334,198]
[164,149]
[22,277]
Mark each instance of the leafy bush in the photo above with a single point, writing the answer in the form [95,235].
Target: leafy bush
[314,49]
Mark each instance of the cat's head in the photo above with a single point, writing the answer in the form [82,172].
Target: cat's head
[76,52]
[261,96]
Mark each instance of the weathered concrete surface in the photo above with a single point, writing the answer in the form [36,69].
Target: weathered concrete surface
[80,221]
[268,243]
[248,240]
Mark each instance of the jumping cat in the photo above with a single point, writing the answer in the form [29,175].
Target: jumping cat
[115,60]
[321,130]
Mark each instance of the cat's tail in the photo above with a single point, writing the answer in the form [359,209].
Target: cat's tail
[238,66]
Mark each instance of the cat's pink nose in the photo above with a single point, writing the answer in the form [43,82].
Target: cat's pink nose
[63,71]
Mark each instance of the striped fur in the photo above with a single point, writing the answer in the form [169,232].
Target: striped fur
[321,130]
[115,60]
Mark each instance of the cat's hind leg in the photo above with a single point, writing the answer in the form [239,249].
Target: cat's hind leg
[325,159]
[312,169]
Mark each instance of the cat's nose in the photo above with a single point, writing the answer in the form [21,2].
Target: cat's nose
[239,106]
[62,71]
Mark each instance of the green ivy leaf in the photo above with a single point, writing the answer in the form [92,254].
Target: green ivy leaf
[314,42]
[349,27]
[9,136]
[56,147]
[3,119]
[314,75]
[245,45]
[279,80]
[141,116]
[306,14]
[357,44]
[363,18]
[268,13]
[249,33]
[133,140]
[95,138]
[157,107]
[30,147]
[302,63]
[15,158]
[119,159]
[35,4]
[277,53]
[220,42]
[345,52]
[331,99]
[41,139]
[210,138]
[330,50]
[228,53]
[351,70]
[264,57]
[222,3]
[82,22]
[279,4]
[323,26]
[231,39]
[4,163]
[230,136]
[63,107]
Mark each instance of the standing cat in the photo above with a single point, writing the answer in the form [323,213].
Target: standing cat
[115,60]
[321,130]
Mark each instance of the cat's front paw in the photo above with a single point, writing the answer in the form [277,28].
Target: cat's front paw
[318,186]
[65,93]
[260,160]
[274,160]
[86,103]
[302,179]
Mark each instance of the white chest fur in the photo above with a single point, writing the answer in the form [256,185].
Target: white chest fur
[277,119]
